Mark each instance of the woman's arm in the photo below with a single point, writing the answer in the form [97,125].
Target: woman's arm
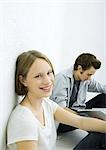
[70,110]
[84,123]
[27,145]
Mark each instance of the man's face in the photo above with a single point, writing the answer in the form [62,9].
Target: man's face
[83,75]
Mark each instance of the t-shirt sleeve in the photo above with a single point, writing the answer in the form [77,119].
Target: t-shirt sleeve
[21,128]
[53,105]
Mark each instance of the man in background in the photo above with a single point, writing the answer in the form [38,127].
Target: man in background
[71,87]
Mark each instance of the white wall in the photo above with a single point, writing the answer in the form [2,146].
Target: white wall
[60,29]
[83,31]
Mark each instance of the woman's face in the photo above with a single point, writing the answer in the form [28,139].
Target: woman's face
[40,79]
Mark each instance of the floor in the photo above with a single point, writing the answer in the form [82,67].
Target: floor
[67,141]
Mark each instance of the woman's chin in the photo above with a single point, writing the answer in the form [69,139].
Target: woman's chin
[48,94]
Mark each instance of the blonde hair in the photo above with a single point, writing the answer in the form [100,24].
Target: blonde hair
[23,64]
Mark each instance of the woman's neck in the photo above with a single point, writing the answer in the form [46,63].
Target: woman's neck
[31,101]
[35,105]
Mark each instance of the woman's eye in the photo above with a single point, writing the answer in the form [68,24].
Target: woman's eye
[38,76]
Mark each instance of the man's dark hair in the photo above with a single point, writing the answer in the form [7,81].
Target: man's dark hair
[87,60]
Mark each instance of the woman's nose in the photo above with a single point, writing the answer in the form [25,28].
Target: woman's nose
[46,80]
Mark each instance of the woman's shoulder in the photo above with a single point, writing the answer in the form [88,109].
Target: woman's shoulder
[50,104]
[19,114]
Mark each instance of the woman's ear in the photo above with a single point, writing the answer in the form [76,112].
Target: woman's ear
[22,80]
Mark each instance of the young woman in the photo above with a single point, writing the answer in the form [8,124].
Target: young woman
[31,125]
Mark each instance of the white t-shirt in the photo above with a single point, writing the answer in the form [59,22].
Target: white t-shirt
[23,125]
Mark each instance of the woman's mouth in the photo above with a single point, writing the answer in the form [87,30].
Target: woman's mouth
[46,88]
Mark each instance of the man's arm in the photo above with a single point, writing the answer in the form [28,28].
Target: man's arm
[95,86]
